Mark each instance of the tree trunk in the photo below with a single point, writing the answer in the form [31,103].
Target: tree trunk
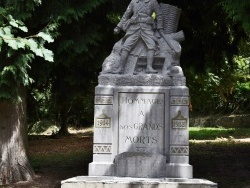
[63,123]
[14,163]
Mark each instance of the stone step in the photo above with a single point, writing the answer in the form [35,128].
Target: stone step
[118,182]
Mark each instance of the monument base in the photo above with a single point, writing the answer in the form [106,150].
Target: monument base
[101,169]
[118,182]
[175,170]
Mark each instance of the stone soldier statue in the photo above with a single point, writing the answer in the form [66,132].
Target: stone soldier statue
[138,24]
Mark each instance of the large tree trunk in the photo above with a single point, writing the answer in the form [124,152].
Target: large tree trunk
[14,163]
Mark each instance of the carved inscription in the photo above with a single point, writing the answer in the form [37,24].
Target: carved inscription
[179,101]
[103,100]
[126,100]
[179,150]
[103,121]
[141,149]
[141,140]
[179,122]
[141,122]
[101,149]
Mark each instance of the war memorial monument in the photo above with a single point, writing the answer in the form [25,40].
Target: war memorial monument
[141,119]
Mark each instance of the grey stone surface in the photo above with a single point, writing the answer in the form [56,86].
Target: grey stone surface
[135,80]
[143,128]
[101,157]
[179,159]
[101,169]
[140,165]
[179,124]
[150,45]
[103,124]
[179,170]
[171,15]
[142,111]
[179,91]
[179,81]
[176,71]
[139,26]
[111,63]
[141,119]
[118,182]
[103,91]
[141,80]
[149,53]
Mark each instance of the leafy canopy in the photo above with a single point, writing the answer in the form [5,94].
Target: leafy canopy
[18,48]
[238,10]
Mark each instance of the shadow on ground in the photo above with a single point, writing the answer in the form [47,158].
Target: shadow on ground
[59,158]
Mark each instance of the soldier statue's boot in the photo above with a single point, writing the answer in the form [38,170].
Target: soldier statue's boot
[106,72]
[150,59]
[123,60]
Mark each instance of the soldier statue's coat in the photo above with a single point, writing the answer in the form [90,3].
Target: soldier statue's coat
[138,23]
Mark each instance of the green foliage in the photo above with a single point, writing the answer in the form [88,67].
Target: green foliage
[21,11]
[239,11]
[18,49]
[84,37]
[75,11]
[227,92]
[212,42]
[83,32]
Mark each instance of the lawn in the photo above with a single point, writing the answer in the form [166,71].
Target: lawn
[212,133]
[224,162]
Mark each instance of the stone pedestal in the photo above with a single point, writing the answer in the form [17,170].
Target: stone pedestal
[141,135]
[116,182]
[141,131]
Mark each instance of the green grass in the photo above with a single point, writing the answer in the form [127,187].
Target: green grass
[211,133]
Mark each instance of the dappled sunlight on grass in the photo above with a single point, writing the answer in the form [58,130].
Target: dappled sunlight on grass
[43,127]
[211,133]
[48,128]
[224,162]
[86,131]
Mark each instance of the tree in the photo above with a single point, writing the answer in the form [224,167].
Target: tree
[18,48]
[239,11]
[213,41]
[85,37]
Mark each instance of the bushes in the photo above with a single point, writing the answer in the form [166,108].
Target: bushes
[225,92]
